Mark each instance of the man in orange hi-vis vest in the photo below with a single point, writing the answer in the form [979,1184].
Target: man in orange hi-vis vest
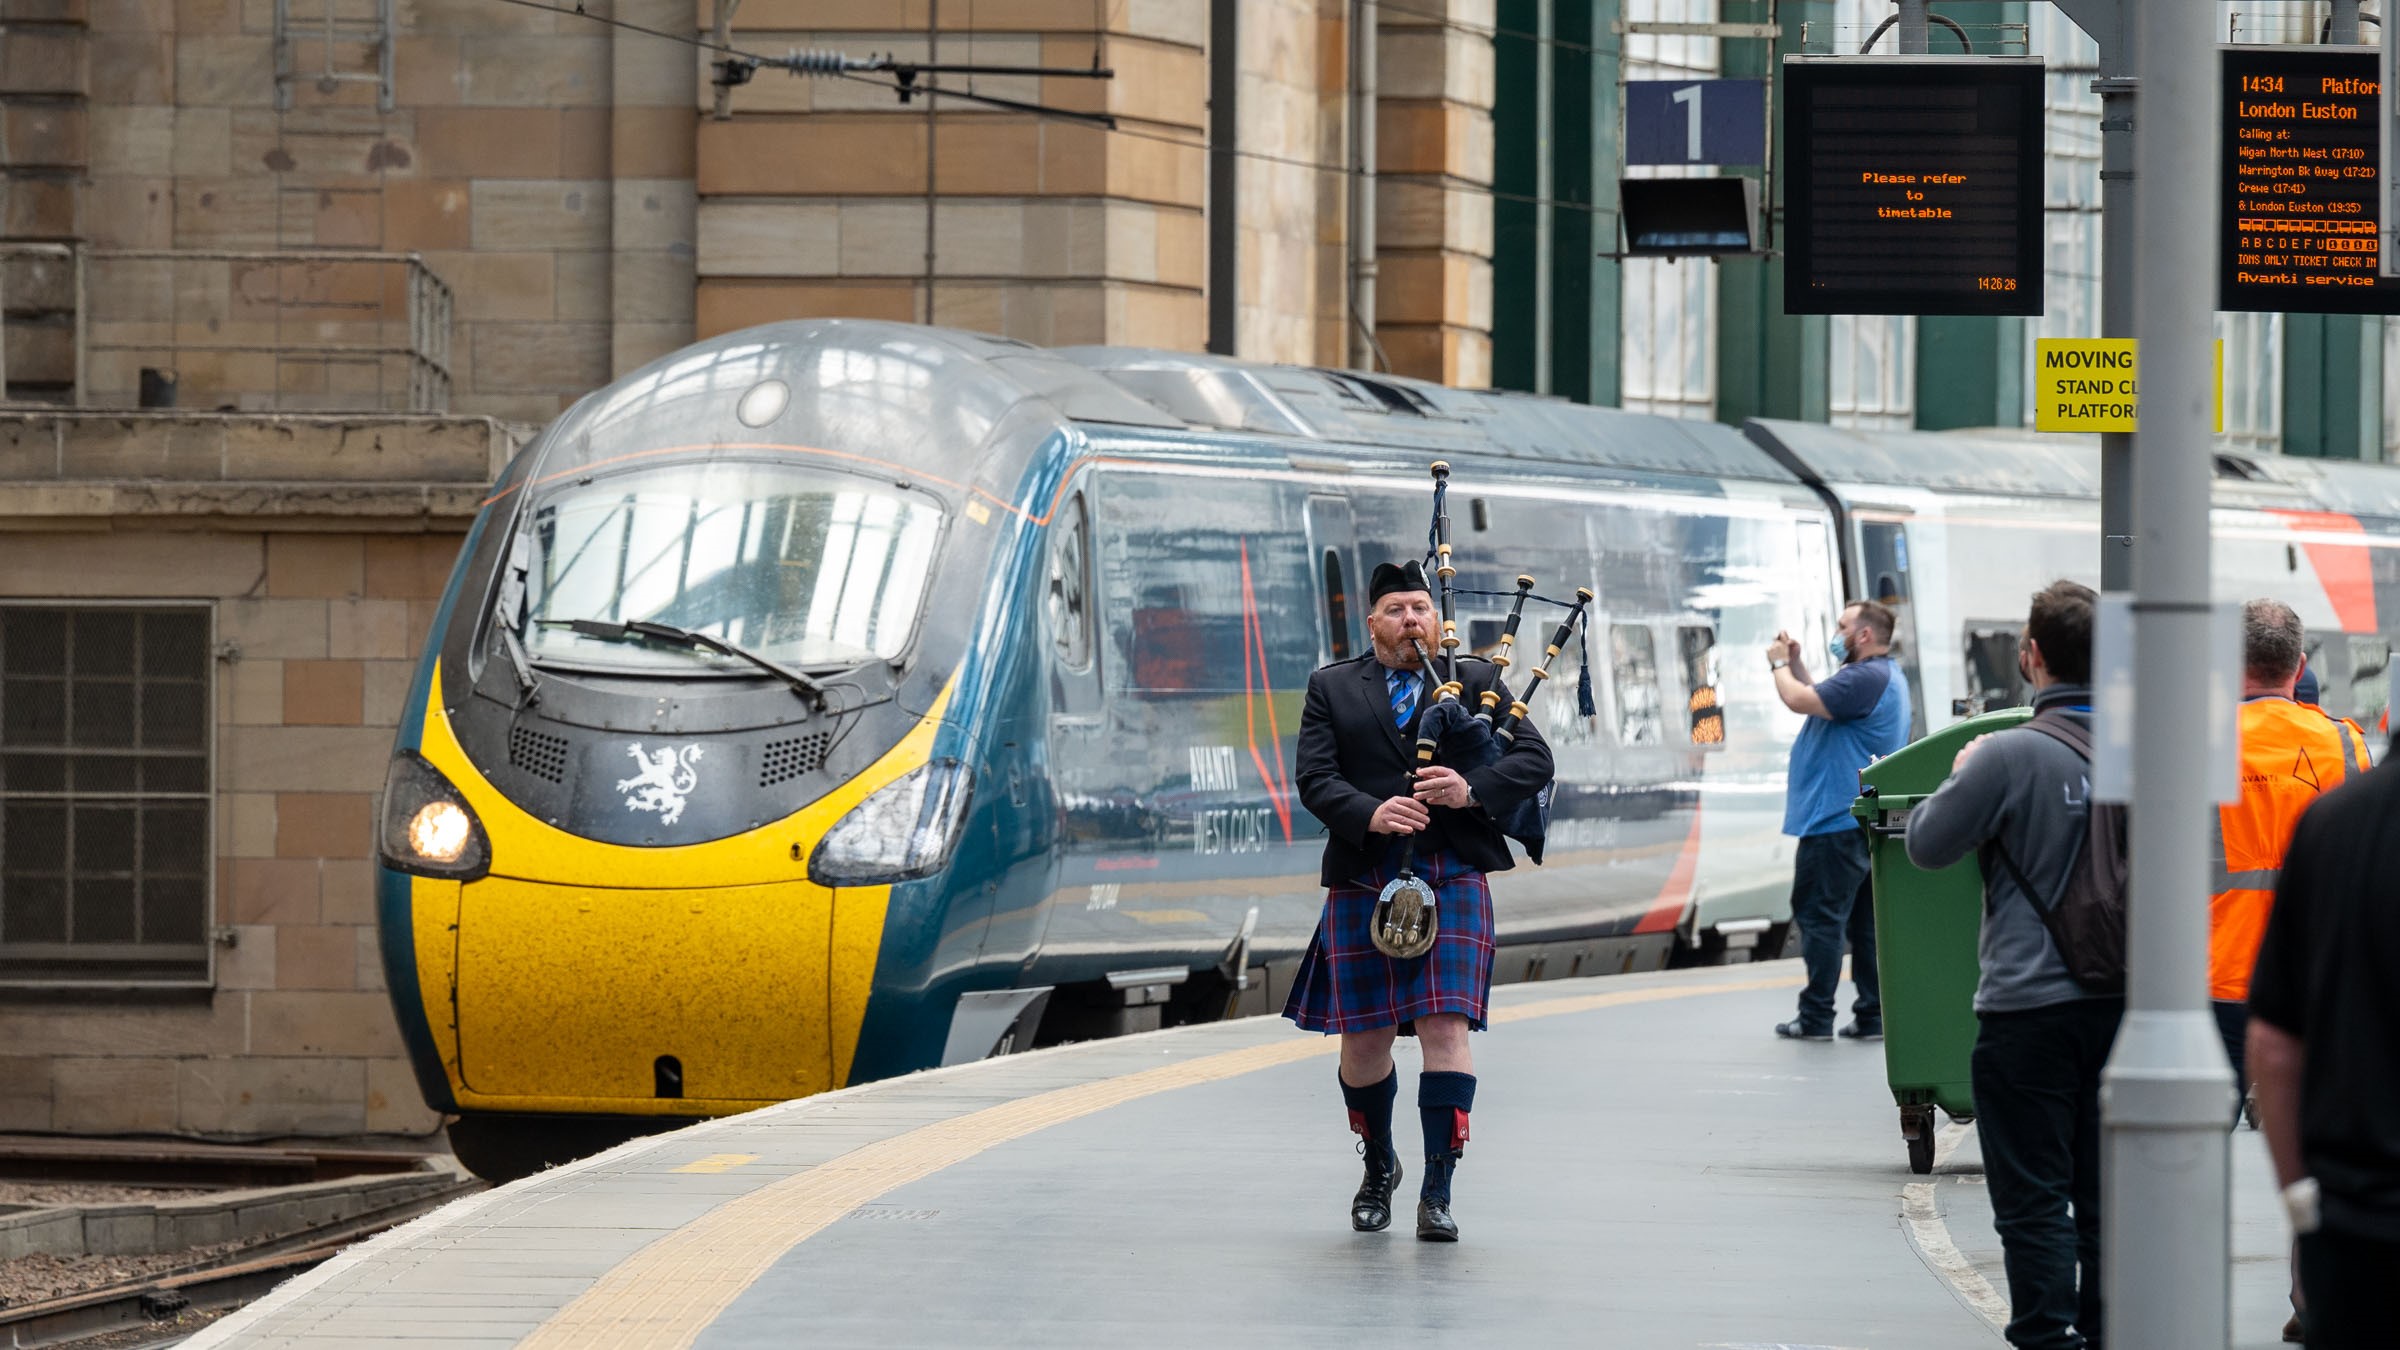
[2291,754]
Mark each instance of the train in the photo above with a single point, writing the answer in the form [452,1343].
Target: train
[836,699]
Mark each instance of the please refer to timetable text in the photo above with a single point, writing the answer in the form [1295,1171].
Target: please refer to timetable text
[1913,204]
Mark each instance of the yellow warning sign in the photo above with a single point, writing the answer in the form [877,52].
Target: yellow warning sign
[2093,384]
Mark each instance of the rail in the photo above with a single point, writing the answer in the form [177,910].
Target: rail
[206,1286]
[246,330]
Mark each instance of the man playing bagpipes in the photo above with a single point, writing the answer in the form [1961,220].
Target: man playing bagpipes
[1406,941]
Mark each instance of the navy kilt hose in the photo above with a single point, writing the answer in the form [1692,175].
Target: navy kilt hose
[1345,984]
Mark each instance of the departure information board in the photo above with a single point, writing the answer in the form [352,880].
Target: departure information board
[2297,224]
[1912,186]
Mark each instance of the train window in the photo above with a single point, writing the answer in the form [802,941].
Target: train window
[1883,551]
[1993,680]
[1633,668]
[1068,599]
[2370,678]
[809,568]
[1191,582]
[1696,647]
[105,768]
[1337,605]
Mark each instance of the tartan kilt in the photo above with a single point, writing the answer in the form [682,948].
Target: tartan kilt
[1345,984]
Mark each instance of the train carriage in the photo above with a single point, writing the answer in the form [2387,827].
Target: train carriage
[836,699]
[1954,528]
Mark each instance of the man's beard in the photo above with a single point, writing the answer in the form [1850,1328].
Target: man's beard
[1398,653]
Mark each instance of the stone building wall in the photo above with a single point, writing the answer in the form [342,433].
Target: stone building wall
[320,547]
[570,184]
[1286,210]
[540,163]
[1434,154]
[813,193]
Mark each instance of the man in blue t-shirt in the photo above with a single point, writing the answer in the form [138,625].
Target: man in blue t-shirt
[1856,715]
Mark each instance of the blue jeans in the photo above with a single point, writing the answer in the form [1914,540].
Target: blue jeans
[1833,902]
[2036,1077]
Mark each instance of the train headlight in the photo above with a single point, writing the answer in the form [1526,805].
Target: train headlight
[905,829]
[438,832]
[428,828]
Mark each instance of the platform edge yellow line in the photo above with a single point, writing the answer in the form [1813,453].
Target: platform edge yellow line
[669,1292]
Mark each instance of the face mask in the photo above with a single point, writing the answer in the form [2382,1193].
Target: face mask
[1840,649]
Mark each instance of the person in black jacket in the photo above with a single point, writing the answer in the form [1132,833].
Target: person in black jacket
[1357,773]
[2324,1039]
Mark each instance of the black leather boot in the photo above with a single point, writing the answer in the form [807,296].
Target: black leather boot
[1434,1223]
[1371,1208]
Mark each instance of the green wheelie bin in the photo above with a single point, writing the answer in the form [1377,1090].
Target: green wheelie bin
[1926,925]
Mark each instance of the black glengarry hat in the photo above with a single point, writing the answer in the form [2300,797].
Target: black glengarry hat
[1390,577]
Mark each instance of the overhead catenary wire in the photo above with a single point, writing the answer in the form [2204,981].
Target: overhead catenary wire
[865,69]
[1263,156]
[740,65]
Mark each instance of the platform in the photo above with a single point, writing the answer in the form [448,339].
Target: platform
[1650,1168]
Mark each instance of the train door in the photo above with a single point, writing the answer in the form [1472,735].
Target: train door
[1884,576]
[1068,621]
[2353,675]
[1989,651]
[2370,689]
[1332,543]
[1067,774]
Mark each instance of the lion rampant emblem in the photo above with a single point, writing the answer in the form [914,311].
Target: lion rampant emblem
[665,779]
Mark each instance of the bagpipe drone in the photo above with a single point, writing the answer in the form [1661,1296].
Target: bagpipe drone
[1405,920]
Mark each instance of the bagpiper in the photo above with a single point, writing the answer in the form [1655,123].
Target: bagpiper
[1393,823]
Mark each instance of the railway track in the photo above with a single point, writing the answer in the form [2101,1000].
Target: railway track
[99,1316]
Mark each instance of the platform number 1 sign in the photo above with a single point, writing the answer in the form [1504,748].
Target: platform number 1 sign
[1689,97]
[1696,122]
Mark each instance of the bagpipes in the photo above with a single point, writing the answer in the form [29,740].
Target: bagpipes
[1405,921]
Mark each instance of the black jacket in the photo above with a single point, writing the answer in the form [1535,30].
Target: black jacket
[1352,757]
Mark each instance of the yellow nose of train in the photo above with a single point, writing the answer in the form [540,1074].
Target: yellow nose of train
[579,977]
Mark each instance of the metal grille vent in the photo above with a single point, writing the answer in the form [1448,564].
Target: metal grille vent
[787,760]
[542,756]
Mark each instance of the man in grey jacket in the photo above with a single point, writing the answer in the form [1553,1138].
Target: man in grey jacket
[2041,1040]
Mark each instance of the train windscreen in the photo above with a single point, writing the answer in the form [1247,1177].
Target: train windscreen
[806,568]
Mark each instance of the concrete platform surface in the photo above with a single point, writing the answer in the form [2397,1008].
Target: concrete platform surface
[1650,1168]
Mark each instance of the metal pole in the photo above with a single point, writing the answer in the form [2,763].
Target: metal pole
[933,54]
[83,324]
[2167,1092]
[2105,22]
[1915,40]
[2117,89]
[1224,176]
[1364,352]
[4,327]
[1545,187]
[2341,30]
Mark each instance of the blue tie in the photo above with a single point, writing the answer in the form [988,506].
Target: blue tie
[1404,696]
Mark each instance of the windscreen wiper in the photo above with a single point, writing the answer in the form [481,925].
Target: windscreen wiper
[685,637]
[529,685]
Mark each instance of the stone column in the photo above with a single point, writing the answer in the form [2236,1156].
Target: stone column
[1433,205]
[812,197]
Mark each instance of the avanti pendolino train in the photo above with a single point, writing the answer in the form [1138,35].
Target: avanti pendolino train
[835,699]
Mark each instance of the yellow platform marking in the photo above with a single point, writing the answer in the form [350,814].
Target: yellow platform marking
[718,1162]
[669,1292]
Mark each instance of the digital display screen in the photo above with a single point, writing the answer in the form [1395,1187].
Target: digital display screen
[1912,187]
[2297,222]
